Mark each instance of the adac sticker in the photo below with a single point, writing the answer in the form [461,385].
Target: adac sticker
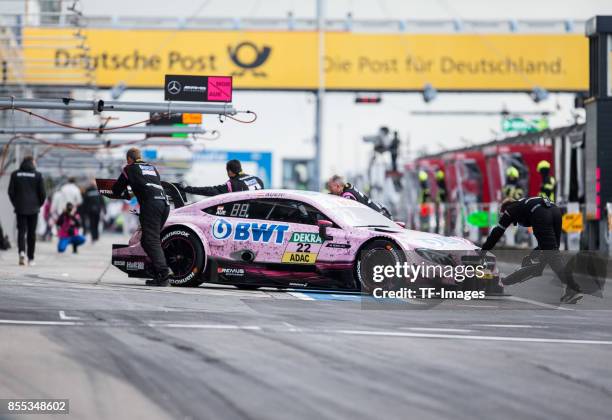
[299,257]
[306,238]
[249,231]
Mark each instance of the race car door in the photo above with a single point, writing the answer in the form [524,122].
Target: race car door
[275,230]
[306,260]
[303,243]
[241,231]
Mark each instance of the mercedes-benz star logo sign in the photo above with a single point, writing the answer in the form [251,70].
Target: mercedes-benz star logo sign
[174,87]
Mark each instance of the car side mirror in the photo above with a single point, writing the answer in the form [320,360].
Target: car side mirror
[323,225]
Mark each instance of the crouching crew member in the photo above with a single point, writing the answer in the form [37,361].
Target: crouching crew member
[154,209]
[238,181]
[545,219]
[337,186]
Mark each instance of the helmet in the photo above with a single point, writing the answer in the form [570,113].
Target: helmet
[544,164]
[512,172]
[439,175]
[423,176]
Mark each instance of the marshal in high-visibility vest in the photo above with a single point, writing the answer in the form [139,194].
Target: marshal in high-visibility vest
[547,188]
[513,189]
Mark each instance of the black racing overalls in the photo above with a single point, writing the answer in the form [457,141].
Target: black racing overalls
[241,182]
[353,193]
[154,209]
[545,220]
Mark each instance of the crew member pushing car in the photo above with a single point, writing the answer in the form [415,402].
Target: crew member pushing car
[154,209]
[545,219]
[238,181]
[337,186]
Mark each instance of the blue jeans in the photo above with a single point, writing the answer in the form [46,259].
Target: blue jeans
[72,240]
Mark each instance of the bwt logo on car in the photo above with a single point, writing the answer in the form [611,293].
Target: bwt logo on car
[244,231]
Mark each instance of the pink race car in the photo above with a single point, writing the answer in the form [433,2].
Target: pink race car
[288,239]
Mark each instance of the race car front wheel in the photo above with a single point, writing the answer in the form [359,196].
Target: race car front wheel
[374,255]
[185,256]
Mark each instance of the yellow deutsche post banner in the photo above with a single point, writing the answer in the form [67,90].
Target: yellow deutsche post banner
[289,60]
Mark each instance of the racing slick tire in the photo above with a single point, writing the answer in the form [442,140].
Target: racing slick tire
[185,256]
[376,252]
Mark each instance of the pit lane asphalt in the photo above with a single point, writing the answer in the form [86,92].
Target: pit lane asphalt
[118,349]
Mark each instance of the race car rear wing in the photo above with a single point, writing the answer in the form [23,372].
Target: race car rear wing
[175,195]
[105,188]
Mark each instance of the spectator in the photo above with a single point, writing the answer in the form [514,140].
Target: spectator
[27,194]
[68,193]
[68,224]
[47,217]
[93,206]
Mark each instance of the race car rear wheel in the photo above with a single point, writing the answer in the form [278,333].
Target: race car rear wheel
[377,252]
[185,256]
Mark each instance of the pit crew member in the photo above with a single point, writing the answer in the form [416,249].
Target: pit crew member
[145,182]
[238,181]
[545,219]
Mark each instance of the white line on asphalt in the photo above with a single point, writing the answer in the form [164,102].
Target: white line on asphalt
[65,317]
[22,322]
[206,326]
[437,329]
[535,302]
[300,295]
[509,326]
[468,337]
[292,328]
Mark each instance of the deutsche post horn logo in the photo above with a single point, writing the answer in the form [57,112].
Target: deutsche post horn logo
[248,57]
[174,87]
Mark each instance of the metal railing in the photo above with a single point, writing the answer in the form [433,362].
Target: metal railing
[66,18]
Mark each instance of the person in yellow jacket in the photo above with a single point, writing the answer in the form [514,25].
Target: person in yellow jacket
[425,196]
[547,189]
[512,189]
[440,181]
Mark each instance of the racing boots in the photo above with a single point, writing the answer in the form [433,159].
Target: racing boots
[157,283]
[161,280]
[571,296]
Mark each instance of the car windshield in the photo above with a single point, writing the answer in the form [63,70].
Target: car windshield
[362,216]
